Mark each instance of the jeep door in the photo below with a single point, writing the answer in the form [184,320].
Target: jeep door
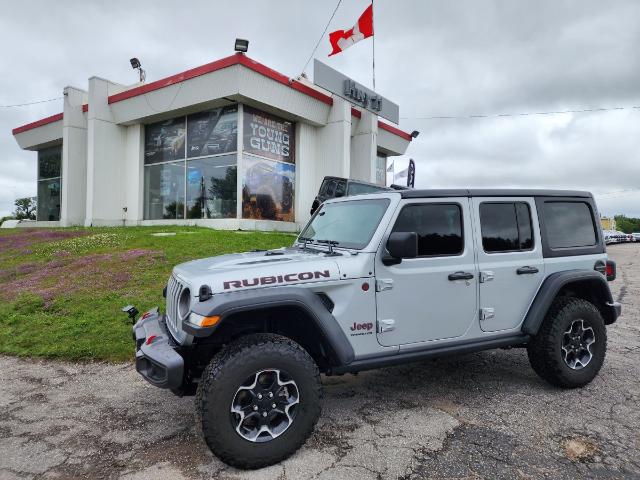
[509,259]
[433,296]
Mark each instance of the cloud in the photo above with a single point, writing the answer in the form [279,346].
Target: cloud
[432,58]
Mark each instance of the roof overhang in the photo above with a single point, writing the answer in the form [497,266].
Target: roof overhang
[236,78]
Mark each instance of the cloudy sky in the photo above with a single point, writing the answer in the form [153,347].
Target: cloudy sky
[434,58]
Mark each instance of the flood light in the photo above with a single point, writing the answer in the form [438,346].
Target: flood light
[241,45]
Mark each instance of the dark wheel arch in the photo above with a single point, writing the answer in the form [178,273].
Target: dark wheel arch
[589,285]
[239,306]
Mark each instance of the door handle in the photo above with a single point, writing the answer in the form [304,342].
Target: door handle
[460,276]
[527,270]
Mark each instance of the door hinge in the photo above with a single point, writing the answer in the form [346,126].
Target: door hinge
[487,313]
[386,325]
[486,276]
[384,284]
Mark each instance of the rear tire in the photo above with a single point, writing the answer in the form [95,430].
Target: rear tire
[569,349]
[233,380]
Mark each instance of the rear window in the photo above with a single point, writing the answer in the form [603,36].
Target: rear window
[360,188]
[569,224]
[506,227]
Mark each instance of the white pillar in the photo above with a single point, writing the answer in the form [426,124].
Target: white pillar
[74,158]
[106,156]
[364,148]
[307,182]
[333,147]
[133,169]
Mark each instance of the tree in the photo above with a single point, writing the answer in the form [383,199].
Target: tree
[25,208]
[627,224]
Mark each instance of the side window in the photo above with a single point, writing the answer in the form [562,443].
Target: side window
[569,224]
[439,228]
[506,227]
[341,188]
[361,188]
[331,189]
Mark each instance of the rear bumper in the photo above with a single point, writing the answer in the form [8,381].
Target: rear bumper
[157,359]
[615,310]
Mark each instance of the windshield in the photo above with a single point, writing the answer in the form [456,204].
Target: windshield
[350,224]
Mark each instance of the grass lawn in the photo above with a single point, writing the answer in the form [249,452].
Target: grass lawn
[61,290]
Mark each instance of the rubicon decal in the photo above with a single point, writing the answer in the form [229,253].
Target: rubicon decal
[276,279]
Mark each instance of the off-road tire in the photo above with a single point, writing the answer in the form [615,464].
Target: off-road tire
[544,349]
[219,384]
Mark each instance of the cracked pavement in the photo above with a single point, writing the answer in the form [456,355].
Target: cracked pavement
[484,415]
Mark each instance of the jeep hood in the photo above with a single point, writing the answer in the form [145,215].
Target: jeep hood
[241,271]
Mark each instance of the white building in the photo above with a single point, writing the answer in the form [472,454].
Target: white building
[231,145]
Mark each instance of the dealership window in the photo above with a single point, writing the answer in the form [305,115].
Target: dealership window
[49,179]
[506,227]
[191,166]
[268,167]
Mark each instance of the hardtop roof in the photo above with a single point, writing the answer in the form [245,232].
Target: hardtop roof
[489,192]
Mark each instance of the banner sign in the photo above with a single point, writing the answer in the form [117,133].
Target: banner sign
[268,136]
[212,132]
[343,86]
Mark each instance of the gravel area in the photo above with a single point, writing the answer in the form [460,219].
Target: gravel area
[483,415]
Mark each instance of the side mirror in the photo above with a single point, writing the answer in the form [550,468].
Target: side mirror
[401,245]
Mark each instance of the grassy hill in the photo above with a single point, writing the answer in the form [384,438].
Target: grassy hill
[61,290]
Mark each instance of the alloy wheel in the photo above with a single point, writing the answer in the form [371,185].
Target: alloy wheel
[265,405]
[577,341]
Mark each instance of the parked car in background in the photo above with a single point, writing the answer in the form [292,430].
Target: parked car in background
[636,236]
[335,187]
[609,237]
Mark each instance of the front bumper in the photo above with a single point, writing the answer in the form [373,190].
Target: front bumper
[157,359]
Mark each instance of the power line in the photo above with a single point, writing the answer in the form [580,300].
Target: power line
[31,103]
[618,193]
[524,114]
[322,36]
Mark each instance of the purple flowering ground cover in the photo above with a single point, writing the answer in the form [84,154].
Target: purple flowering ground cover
[61,290]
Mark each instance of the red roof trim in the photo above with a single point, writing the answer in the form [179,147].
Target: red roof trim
[385,126]
[237,59]
[395,131]
[39,123]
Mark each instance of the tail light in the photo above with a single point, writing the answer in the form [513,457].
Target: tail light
[611,270]
[607,269]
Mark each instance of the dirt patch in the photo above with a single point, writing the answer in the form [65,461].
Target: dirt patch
[66,275]
[578,449]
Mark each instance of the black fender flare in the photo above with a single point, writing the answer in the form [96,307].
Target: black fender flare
[226,304]
[554,283]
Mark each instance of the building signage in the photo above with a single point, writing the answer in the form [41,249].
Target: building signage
[343,86]
[268,136]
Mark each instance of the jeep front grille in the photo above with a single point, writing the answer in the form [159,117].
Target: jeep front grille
[174,289]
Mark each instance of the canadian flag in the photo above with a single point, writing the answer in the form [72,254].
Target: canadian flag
[343,39]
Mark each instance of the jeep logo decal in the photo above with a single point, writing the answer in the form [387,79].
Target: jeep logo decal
[361,328]
[272,280]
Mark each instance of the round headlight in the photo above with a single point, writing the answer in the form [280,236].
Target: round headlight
[184,304]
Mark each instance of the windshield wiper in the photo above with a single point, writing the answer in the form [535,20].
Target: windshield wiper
[331,244]
[304,241]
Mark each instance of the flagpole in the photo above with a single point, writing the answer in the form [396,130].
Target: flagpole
[373,43]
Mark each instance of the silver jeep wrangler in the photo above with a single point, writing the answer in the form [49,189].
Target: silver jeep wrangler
[372,281]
